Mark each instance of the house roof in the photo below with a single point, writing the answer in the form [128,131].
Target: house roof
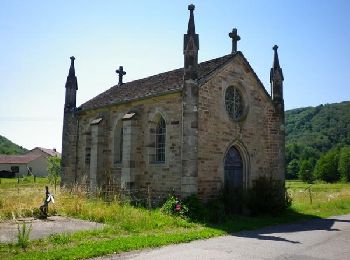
[18,159]
[160,84]
[50,152]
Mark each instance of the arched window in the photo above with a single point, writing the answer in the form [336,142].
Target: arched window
[160,134]
[233,169]
[118,142]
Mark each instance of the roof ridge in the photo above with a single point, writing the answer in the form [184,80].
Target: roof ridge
[146,78]
[173,70]
[161,83]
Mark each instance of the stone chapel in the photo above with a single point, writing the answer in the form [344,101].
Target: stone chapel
[198,130]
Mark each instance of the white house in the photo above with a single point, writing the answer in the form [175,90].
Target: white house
[33,162]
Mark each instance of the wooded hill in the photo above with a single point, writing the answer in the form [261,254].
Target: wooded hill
[8,147]
[311,132]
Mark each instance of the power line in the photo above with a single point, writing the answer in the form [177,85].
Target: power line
[28,119]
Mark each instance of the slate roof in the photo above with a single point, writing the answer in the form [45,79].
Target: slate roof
[18,159]
[160,84]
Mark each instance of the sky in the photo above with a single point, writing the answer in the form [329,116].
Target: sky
[146,37]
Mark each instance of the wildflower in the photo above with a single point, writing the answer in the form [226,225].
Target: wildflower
[177,207]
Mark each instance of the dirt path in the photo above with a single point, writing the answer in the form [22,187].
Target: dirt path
[44,228]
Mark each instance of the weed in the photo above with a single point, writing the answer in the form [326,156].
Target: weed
[23,235]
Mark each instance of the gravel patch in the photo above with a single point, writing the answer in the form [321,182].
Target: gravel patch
[44,228]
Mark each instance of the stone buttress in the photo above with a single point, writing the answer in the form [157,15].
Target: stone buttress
[70,130]
[276,80]
[189,179]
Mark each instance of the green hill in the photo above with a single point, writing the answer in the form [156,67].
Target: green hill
[313,131]
[7,147]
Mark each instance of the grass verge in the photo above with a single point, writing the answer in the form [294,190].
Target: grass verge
[129,228]
[93,248]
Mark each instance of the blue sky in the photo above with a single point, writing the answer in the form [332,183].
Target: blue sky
[146,37]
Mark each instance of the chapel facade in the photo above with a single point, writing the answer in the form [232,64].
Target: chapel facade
[195,130]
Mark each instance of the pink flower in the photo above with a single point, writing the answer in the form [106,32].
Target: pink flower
[177,207]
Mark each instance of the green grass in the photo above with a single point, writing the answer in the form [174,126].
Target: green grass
[22,181]
[323,200]
[131,228]
[92,248]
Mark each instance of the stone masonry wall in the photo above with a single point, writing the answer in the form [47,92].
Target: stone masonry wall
[160,179]
[69,135]
[255,136]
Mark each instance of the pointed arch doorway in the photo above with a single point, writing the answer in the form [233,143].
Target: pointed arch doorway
[233,180]
[233,169]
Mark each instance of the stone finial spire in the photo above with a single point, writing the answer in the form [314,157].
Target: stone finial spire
[191,47]
[71,86]
[191,27]
[72,69]
[235,38]
[276,63]
[121,73]
[276,78]
[71,78]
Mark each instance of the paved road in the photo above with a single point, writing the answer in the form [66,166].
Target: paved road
[316,239]
[44,228]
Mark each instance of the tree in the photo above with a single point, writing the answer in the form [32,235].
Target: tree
[326,168]
[305,171]
[292,169]
[54,169]
[344,164]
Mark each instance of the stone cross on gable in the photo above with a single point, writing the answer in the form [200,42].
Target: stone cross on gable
[121,73]
[235,38]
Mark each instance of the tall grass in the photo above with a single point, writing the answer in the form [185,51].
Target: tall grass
[320,199]
[19,199]
[124,216]
[23,200]
[130,228]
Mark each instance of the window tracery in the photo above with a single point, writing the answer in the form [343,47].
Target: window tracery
[234,103]
[160,141]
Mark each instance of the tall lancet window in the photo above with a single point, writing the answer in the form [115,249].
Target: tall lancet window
[234,103]
[160,141]
[118,142]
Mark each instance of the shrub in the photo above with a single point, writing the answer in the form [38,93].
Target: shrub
[292,169]
[54,170]
[305,171]
[174,206]
[267,196]
[196,209]
[326,168]
[36,212]
[215,211]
